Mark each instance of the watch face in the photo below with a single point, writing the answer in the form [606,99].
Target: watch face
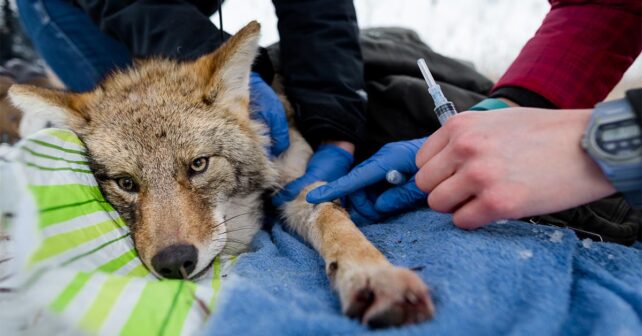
[620,140]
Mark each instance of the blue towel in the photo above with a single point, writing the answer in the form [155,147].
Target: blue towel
[514,278]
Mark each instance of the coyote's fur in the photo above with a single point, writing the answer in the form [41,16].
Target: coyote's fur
[174,150]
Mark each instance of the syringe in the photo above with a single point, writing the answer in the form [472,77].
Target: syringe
[443,108]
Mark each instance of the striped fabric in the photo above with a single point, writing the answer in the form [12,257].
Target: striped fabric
[73,253]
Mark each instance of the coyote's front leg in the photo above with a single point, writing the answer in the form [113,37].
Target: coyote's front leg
[370,288]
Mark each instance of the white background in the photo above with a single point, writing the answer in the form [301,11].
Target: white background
[489,33]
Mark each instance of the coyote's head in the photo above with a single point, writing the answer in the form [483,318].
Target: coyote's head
[174,150]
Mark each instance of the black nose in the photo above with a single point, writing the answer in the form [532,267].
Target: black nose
[175,261]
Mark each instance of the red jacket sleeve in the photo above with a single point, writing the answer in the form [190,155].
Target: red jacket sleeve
[580,52]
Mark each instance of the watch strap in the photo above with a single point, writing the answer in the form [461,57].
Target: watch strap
[627,178]
[630,190]
[635,99]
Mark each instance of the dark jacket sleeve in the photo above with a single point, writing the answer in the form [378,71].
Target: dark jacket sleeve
[322,68]
[171,28]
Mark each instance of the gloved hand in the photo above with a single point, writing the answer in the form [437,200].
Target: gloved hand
[328,163]
[397,155]
[267,108]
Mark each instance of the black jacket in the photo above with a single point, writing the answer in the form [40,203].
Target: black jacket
[399,106]
[322,67]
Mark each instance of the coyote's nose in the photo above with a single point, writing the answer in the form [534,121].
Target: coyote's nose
[175,261]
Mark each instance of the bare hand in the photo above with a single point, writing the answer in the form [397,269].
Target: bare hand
[510,163]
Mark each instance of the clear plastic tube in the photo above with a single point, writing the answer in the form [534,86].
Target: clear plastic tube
[443,108]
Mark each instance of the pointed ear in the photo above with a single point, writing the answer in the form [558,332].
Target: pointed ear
[43,108]
[225,73]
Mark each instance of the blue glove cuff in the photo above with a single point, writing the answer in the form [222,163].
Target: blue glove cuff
[255,76]
[337,150]
[267,108]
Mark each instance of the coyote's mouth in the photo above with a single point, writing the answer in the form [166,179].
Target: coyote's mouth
[204,271]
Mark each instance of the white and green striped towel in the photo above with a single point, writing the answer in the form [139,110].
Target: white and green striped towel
[72,253]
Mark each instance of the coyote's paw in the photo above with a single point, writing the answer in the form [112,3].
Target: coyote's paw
[383,296]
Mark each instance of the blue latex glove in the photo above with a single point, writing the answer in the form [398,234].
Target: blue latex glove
[328,163]
[396,155]
[267,108]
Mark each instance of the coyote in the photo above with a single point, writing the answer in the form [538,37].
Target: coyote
[174,150]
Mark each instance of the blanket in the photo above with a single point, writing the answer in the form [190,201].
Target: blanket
[73,269]
[70,265]
[513,278]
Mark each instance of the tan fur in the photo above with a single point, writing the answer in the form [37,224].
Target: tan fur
[150,122]
[9,115]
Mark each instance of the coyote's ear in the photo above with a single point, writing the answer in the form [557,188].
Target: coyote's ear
[225,73]
[50,108]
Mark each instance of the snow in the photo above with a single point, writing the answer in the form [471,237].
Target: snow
[4,149]
[525,254]
[490,33]
[556,236]
[587,242]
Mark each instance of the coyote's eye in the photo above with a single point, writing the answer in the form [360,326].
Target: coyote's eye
[126,183]
[199,165]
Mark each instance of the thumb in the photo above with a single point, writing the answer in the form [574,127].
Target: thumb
[279,131]
[400,198]
[292,190]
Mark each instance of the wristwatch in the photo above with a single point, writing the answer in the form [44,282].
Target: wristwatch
[614,140]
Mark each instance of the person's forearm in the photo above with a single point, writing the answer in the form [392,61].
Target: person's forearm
[323,79]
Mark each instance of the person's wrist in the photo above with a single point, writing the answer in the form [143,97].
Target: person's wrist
[602,184]
[618,155]
[345,145]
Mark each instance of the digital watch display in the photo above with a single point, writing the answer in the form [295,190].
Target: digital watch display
[621,140]
[614,134]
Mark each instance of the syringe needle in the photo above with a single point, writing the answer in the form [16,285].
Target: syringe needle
[443,108]
[426,73]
